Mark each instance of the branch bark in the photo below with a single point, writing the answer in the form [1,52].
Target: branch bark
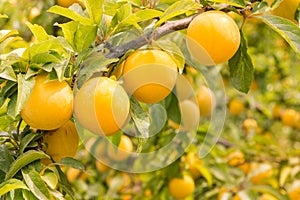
[168,27]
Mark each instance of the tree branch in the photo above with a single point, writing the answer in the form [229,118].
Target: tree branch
[168,27]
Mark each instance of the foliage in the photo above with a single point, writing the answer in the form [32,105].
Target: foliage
[73,44]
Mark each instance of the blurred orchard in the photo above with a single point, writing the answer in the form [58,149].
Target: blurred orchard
[221,81]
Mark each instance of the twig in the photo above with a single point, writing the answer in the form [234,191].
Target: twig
[168,27]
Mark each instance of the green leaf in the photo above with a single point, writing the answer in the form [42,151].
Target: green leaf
[241,68]
[123,18]
[51,179]
[4,34]
[79,36]
[94,8]
[270,190]
[3,16]
[286,29]
[69,29]
[172,48]
[84,37]
[27,140]
[148,14]
[71,162]
[10,185]
[38,31]
[7,91]
[3,107]
[27,195]
[45,57]
[260,7]
[64,183]
[140,117]
[284,173]
[12,105]
[16,194]
[6,158]
[176,9]
[115,138]
[111,6]
[7,72]
[53,44]
[158,116]
[24,89]
[173,109]
[205,173]
[24,160]
[93,64]
[5,121]
[236,3]
[60,69]
[173,170]
[70,14]
[4,46]
[36,184]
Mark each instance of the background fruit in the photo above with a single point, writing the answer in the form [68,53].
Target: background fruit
[101,167]
[122,151]
[49,105]
[286,9]
[192,162]
[295,194]
[250,125]
[213,38]
[101,105]
[66,3]
[189,115]
[289,117]
[181,187]
[236,107]
[206,101]
[62,142]
[149,75]
[260,174]
[73,174]
[236,158]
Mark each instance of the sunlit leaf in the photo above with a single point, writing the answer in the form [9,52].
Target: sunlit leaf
[172,48]
[11,184]
[24,89]
[178,8]
[38,31]
[36,184]
[140,117]
[205,173]
[4,34]
[286,29]
[24,160]
[95,63]
[50,179]
[70,14]
[94,8]
[148,14]
[79,36]
[3,16]
[123,18]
